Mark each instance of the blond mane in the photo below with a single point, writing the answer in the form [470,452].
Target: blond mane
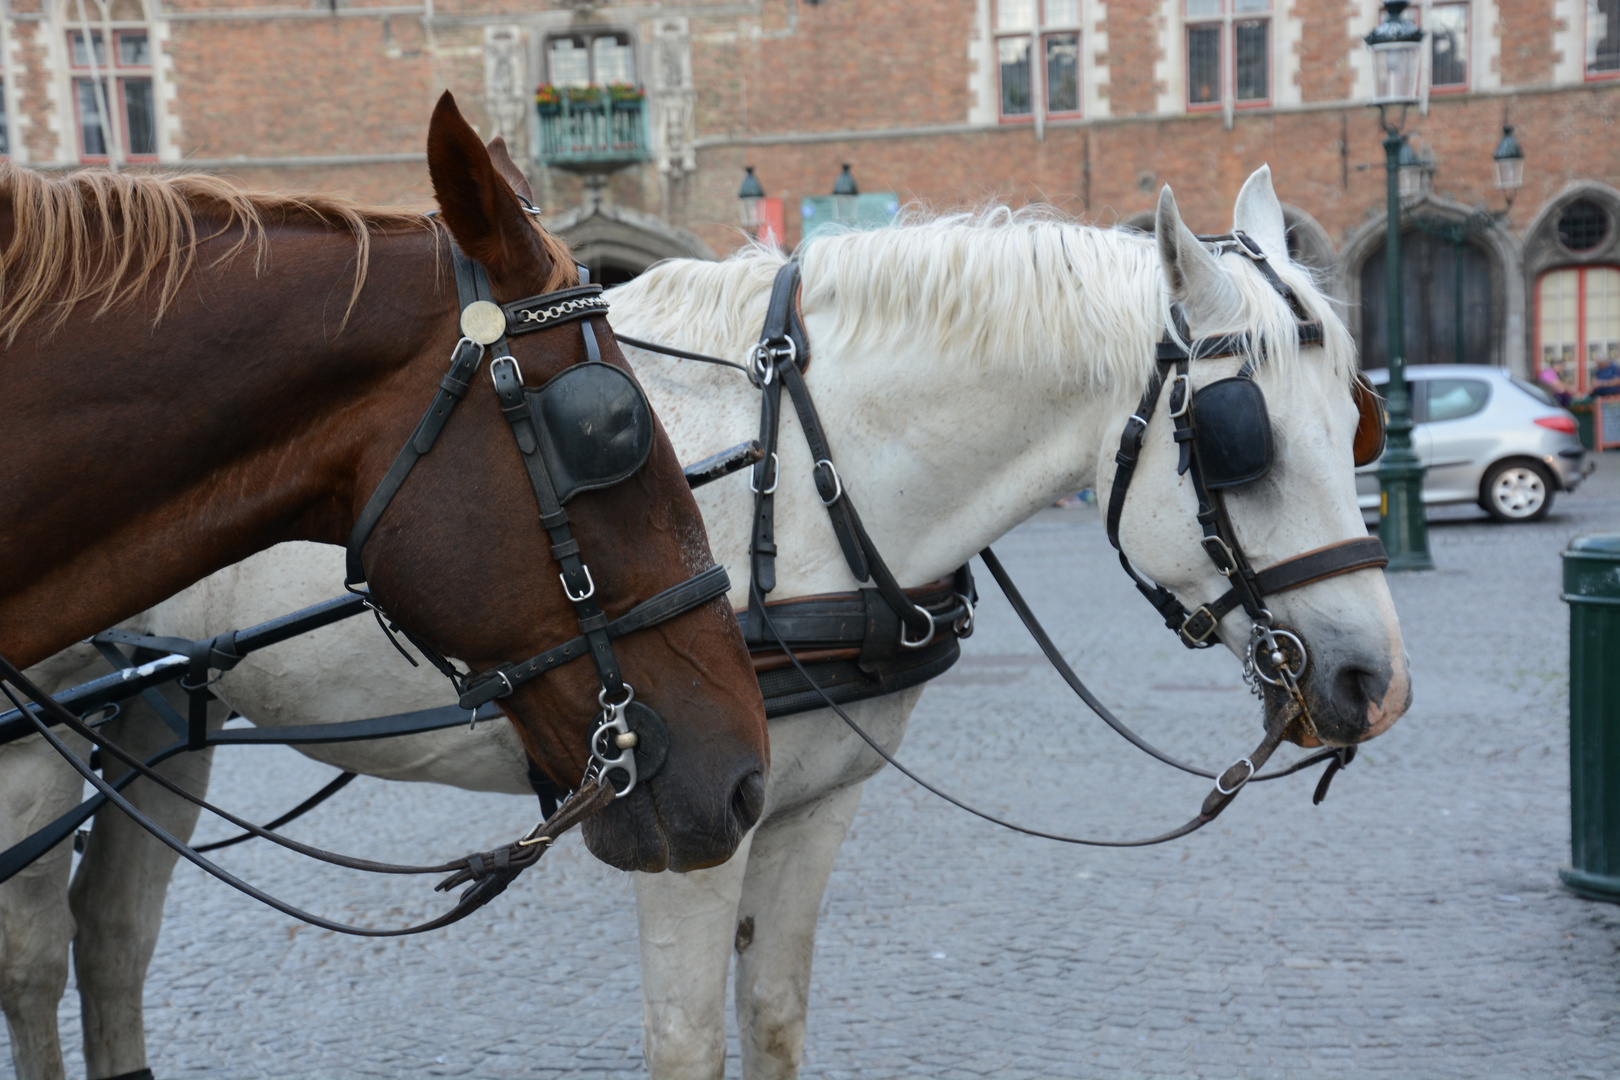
[1025,289]
[96,237]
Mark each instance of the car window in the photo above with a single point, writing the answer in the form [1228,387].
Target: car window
[1453,399]
[1540,393]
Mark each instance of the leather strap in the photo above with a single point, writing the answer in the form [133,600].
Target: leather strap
[694,592]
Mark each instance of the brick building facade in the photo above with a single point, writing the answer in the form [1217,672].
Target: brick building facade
[1088,104]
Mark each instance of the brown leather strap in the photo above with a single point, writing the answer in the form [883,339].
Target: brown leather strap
[1330,560]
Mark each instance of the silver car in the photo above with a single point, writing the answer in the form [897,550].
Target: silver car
[1486,437]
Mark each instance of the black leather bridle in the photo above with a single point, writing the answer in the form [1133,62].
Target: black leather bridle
[1275,656]
[629,739]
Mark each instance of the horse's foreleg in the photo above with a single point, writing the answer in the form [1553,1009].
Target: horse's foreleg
[36,787]
[792,858]
[687,924]
[119,889]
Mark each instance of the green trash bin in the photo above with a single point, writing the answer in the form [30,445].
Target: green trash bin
[1585,421]
[1592,589]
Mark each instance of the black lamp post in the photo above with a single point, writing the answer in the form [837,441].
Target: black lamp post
[846,202]
[1395,45]
[749,197]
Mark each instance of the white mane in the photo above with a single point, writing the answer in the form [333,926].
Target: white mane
[1007,290]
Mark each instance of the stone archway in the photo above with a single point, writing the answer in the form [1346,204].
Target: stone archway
[617,243]
[1493,252]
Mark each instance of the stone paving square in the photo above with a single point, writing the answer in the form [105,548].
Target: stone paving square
[1411,926]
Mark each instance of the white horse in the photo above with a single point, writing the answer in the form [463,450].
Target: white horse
[969,370]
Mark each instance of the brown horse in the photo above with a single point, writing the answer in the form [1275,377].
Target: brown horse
[194,373]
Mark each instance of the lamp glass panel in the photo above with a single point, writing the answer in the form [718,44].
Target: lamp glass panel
[1395,72]
[1509,173]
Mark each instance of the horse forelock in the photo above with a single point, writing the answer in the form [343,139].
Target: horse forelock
[103,238]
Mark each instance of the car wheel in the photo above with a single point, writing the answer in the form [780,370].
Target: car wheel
[1517,491]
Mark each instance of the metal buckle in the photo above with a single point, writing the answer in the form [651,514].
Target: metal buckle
[1203,639]
[1233,790]
[516,371]
[838,483]
[907,642]
[1186,395]
[776,476]
[1225,550]
[590,586]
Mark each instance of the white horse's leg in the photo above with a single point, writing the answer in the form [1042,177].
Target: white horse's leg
[118,891]
[792,857]
[688,923]
[36,787]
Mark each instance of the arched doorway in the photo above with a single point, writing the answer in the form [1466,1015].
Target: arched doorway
[617,243]
[1448,303]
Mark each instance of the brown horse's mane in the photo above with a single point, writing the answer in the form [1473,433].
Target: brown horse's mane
[105,238]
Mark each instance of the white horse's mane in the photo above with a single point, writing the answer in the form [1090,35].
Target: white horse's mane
[1003,289]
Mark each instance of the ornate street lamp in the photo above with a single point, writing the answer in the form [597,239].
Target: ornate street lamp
[846,201]
[1509,159]
[1395,45]
[749,198]
[1413,166]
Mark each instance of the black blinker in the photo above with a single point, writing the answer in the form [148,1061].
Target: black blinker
[1232,432]
[595,427]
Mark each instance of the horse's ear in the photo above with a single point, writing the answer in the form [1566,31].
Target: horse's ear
[479,206]
[1259,214]
[1195,279]
[502,159]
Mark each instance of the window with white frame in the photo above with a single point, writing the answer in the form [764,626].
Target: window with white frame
[1228,52]
[591,59]
[1056,25]
[1602,38]
[1448,46]
[113,102]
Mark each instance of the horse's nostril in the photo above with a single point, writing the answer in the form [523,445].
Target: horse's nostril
[1351,694]
[748,800]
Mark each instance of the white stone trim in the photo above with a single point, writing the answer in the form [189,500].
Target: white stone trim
[1569,41]
[1170,66]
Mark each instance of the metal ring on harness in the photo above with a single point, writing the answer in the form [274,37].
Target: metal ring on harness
[838,483]
[776,475]
[907,642]
[1233,789]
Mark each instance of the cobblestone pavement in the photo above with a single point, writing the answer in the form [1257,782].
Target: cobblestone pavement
[1413,925]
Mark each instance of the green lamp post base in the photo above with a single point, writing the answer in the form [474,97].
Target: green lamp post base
[1401,524]
[1591,886]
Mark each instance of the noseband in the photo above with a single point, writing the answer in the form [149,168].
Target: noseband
[590,427]
[1218,457]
